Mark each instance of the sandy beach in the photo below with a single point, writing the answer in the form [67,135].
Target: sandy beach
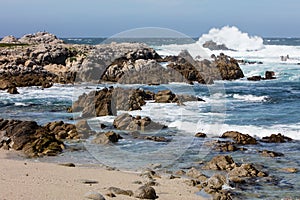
[27,179]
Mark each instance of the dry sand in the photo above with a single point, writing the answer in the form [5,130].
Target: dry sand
[27,179]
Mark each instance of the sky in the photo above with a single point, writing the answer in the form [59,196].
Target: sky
[99,18]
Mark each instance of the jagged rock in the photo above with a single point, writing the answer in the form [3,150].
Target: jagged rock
[225,146]
[214,46]
[31,138]
[106,138]
[239,137]
[245,170]
[220,163]
[214,184]
[276,138]
[145,192]
[196,174]
[63,131]
[128,122]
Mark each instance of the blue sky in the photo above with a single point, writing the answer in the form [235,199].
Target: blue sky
[98,18]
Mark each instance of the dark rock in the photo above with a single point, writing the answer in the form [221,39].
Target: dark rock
[239,137]
[13,90]
[220,163]
[200,135]
[279,138]
[67,164]
[267,153]
[270,75]
[89,182]
[145,192]
[214,46]
[254,78]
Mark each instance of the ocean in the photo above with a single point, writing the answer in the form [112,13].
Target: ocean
[257,108]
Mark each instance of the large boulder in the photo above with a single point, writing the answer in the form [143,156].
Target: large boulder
[145,192]
[239,137]
[220,162]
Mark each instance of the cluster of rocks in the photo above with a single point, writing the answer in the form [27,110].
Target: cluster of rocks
[46,55]
[28,137]
[35,140]
[269,75]
[233,174]
[108,100]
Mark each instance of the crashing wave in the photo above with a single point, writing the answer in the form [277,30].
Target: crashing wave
[233,39]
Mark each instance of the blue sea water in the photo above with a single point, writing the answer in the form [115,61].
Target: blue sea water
[255,108]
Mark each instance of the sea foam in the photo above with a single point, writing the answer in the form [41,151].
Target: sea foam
[233,38]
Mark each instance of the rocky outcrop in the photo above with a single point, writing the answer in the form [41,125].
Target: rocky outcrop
[239,137]
[9,40]
[214,46]
[276,138]
[29,137]
[221,68]
[39,38]
[130,123]
[108,100]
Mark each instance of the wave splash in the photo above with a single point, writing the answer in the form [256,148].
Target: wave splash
[233,39]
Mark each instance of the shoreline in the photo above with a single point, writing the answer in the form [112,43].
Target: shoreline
[38,180]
